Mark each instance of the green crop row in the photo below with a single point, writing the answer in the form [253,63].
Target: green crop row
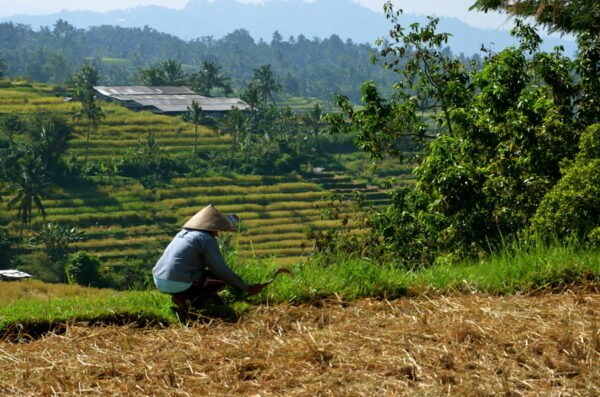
[164,141]
[121,218]
[265,199]
[262,238]
[293,243]
[118,150]
[290,187]
[240,180]
[30,108]
[103,244]
[260,222]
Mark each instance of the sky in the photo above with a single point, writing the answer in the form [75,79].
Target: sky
[450,8]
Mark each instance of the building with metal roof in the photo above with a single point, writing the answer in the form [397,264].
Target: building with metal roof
[12,275]
[167,99]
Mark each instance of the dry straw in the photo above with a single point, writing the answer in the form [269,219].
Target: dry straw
[461,346]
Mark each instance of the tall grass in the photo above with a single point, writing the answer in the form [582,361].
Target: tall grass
[514,270]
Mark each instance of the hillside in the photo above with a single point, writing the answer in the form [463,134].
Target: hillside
[123,218]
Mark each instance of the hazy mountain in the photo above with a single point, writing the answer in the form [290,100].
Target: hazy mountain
[321,18]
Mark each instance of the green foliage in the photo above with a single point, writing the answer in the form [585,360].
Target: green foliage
[56,238]
[90,111]
[6,250]
[198,117]
[209,77]
[84,269]
[572,207]
[42,137]
[3,67]
[169,72]
[28,189]
[264,83]
[309,67]
[559,16]
[149,162]
[501,133]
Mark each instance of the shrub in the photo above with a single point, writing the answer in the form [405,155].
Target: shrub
[84,269]
[572,207]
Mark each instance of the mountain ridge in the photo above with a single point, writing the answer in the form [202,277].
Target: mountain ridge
[321,18]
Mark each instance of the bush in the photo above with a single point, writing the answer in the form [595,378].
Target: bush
[572,207]
[84,269]
[5,250]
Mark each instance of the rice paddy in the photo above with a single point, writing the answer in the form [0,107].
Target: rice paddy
[122,217]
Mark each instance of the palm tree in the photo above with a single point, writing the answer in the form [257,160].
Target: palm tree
[29,189]
[152,76]
[173,72]
[210,77]
[198,117]
[265,83]
[313,119]
[90,110]
[235,123]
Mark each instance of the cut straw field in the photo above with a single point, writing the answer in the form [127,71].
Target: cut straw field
[473,345]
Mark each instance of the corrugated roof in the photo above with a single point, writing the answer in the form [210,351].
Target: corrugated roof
[119,90]
[169,99]
[14,274]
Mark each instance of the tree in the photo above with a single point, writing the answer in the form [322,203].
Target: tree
[28,190]
[6,252]
[84,269]
[572,207]
[12,124]
[499,135]
[152,76]
[49,135]
[314,119]
[198,117]
[252,97]
[169,72]
[210,77]
[3,67]
[173,73]
[234,123]
[573,16]
[90,111]
[265,83]
[57,68]
[56,239]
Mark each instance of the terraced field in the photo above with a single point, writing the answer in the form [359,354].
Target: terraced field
[122,218]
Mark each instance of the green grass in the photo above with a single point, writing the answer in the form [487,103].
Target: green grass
[522,270]
[30,307]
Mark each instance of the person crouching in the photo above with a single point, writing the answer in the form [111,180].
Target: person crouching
[192,267]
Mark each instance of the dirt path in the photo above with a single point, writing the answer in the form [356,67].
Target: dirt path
[463,346]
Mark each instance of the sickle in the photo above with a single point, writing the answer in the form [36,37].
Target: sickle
[281,270]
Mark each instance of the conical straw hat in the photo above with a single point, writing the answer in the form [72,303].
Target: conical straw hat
[209,218]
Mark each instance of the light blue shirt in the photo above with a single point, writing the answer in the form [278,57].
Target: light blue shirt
[188,255]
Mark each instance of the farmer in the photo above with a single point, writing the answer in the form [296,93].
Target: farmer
[192,267]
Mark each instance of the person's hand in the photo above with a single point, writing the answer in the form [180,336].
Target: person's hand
[255,289]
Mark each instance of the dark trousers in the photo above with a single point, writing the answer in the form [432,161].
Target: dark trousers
[203,288]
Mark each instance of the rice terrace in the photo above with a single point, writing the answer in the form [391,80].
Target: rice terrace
[227,216]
